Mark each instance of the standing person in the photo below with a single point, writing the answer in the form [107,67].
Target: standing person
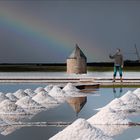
[118,63]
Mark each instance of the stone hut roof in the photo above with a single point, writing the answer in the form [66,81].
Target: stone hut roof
[77,53]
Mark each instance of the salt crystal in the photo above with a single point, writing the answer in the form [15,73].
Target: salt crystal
[44,99]
[130,99]
[70,87]
[80,130]
[7,106]
[115,104]
[56,92]
[30,92]
[20,93]
[39,89]
[27,102]
[11,97]
[2,97]
[137,92]
[48,88]
[109,116]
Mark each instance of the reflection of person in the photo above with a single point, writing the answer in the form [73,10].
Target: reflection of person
[117,94]
[118,63]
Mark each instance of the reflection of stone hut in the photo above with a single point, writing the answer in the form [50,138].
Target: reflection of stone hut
[77,62]
[77,103]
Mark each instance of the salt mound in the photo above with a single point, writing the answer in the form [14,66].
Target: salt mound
[56,92]
[7,106]
[30,92]
[108,116]
[130,99]
[2,97]
[11,97]
[80,130]
[48,88]
[112,130]
[70,87]
[27,102]
[20,93]
[39,89]
[137,92]
[44,99]
[115,104]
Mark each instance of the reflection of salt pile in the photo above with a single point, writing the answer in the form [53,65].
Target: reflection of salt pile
[130,99]
[7,106]
[80,130]
[20,94]
[11,97]
[137,92]
[45,100]
[39,89]
[48,88]
[2,96]
[109,116]
[30,92]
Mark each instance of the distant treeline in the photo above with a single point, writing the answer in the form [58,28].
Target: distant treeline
[104,64]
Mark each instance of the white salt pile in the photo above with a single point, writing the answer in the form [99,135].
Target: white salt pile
[27,102]
[11,97]
[112,130]
[39,89]
[48,88]
[70,88]
[115,104]
[130,99]
[44,99]
[109,116]
[20,94]
[2,97]
[137,92]
[7,106]
[56,92]
[80,130]
[30,92]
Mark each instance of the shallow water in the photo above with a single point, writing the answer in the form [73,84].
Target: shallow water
[68,113]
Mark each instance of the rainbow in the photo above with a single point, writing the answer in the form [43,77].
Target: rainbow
[32,29]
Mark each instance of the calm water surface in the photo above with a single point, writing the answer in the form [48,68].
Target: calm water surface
[68,113]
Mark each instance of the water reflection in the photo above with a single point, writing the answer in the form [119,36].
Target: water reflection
[117,92]
[77,103]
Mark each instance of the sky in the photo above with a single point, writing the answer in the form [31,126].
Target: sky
[46,31]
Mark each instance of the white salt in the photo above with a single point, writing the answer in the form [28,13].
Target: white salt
[7,106]
[112,130]
[48,88]
[130,99]
[109,116]
[30,92]
[115,104]
[80,130]
[11,97]
[137,92]
[56,92]
[39,89]
[20,94]
[27,102]
[44,99]
[70,87]
[2,97]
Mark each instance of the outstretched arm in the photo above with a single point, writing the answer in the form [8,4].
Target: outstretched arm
[111,56]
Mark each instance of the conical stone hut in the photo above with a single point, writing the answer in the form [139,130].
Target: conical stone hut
[77,62]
